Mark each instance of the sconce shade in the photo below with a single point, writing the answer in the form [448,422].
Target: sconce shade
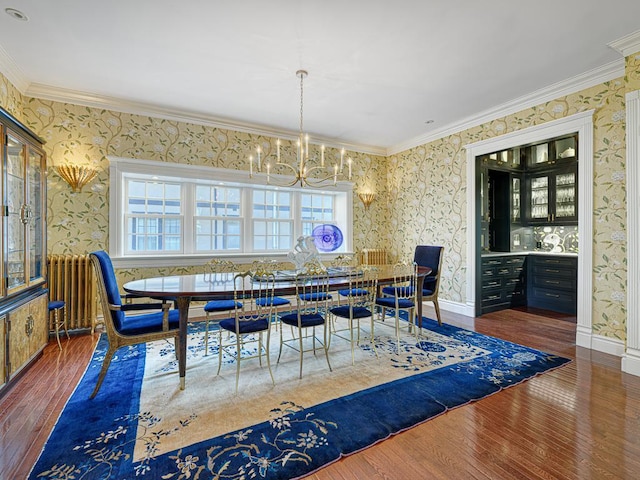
[77,176]
[367,198]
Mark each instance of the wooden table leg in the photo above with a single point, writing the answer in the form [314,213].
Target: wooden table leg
[183,307]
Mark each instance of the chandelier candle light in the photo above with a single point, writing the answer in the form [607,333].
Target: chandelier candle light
[302,170]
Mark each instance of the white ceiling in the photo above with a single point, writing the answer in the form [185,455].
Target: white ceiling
[378,70]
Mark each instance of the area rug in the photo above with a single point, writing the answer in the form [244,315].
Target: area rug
[141,425]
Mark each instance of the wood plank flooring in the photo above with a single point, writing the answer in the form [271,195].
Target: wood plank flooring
[577,422]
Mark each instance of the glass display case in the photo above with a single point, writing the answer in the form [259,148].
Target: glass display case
[24,319]
[553,197]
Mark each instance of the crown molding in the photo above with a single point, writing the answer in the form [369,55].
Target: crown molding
[575,84]
[627,45]
[57,94]
[12,71]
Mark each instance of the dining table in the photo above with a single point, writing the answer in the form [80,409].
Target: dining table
[184,289]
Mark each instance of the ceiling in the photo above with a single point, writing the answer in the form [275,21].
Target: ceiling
[379,71]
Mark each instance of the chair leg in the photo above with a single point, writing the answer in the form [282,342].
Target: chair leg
[273,381]
[437,307]
[103,371]
[302,351]
[56,321]
[326,349]
[373,342]
[220,350]
[353,350]
[206,336]
[238,356]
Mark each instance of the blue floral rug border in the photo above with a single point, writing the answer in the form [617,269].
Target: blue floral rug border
[95,438]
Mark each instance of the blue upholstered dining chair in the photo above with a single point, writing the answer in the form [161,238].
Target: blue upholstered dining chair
[312,308]
[222,272]
[251,319]
[359,302]
[122,328]
[269,267]
[400,296]
[430,256]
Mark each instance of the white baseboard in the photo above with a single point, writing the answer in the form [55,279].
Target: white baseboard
[587,339]
[631,362]
[454,307]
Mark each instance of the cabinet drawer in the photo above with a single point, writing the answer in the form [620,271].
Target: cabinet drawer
[550,296]
[557,282]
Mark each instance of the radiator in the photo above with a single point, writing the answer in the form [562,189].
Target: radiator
[72,279]
[373,256]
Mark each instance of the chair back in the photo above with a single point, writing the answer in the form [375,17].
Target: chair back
[220,272]
[107,287]
[312,290]
[405,278]
[363,287]
[430,256]
[249,287]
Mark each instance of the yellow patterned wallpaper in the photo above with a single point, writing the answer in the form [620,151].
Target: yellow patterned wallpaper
[421,191]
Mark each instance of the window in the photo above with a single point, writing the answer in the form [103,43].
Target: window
[183,211]
[153,217]
[217,221]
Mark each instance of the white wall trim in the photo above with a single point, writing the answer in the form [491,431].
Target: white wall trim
[631,361]
[175,171]
[12,71]
[583,124]
[633,235]
[454,307]
[612,346]
[57,94]
[627,45]
[589,79]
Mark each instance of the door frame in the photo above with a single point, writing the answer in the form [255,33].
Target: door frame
[582,123]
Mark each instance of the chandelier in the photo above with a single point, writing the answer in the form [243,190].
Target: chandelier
[306,170]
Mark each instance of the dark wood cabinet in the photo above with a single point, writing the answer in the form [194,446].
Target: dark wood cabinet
[504,280]
[553,283]
[552,196]
[24,326]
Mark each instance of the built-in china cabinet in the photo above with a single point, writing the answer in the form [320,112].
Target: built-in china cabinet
[23,296]
[528,217]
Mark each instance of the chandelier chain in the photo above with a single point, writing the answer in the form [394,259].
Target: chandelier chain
[302,75]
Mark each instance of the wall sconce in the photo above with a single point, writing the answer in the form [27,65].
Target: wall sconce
[77,176]
[367,198]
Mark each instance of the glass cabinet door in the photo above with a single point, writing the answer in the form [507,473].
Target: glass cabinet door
[35,219]
[539,199]
[15,267]
[565,196]
[515,199]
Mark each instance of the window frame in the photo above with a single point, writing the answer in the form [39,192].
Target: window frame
[121,169]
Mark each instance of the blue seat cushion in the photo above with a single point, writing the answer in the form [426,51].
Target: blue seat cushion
[248,326]
[274,301]
[306,319]
[354,292]
[221,305]
[54,305]
[315,297]
[147,323]
[343,311]
[390,302]
[398,291]
[426,293]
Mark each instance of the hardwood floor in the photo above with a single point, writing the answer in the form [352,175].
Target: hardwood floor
[577,422]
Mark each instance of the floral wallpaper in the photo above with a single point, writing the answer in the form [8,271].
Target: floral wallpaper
[421,192]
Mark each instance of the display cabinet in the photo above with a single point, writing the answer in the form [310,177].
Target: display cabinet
[553,196]
[23,296]
[558,151]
